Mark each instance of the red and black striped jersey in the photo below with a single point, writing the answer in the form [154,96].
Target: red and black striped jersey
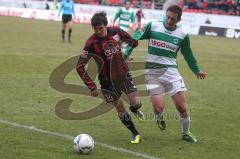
[107,54]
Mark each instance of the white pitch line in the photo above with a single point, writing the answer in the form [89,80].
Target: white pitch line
[33,128]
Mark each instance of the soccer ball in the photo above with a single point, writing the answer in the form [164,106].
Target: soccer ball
[83,144]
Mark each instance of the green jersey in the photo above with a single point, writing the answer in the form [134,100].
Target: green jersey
[163,46]
[125,16]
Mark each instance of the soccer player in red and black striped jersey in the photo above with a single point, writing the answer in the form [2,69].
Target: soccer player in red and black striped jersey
[104,47]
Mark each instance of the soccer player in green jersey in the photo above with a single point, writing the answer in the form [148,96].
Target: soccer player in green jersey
[162,76]
[125,16]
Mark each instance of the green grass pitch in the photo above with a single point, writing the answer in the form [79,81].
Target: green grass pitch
[30,50]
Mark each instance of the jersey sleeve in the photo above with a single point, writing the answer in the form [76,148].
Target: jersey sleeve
[128,39]
[132,43]
[139,35]
[132,17]
[117,15]
[145,34]
[83,59]
[188,55]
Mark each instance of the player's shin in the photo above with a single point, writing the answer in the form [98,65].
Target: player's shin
[69,35]
[63,34]
[127,121]
[185,122]
[185,125]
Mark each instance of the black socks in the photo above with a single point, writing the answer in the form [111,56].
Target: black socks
[127,121]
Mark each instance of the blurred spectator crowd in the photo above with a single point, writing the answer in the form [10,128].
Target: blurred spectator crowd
[226,7]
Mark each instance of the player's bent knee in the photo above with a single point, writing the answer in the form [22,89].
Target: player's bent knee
[135,107]
[182,109]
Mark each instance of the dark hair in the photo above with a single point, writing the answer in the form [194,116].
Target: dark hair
[125,2]
[175,9]
[99,19]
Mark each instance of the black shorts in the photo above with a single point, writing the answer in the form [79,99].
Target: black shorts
[112,90]
[66,18]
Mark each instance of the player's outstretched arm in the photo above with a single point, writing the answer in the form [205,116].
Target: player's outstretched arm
[138,35]
[117,15]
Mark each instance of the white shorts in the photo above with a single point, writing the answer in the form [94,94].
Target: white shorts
[164,81]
